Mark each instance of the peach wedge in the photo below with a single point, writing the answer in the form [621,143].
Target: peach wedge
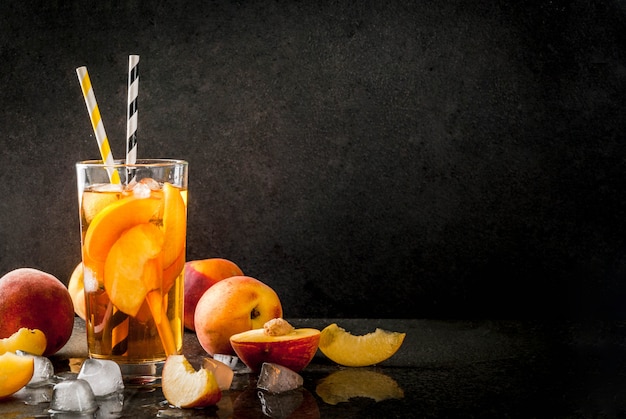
[109,224]
[32,341]
[359,351]
[174,224]
[129,269]
[185,387]
[15,372]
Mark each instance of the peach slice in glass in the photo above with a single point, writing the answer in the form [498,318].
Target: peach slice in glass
[109,224]
[174,224]
[128,277]
[172,272]
[15,372]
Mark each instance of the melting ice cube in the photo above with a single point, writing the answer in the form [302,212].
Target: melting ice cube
[110,406]
[229,360]
[277,378]
[73,396]
[44,370]
[35,395]
[103,375]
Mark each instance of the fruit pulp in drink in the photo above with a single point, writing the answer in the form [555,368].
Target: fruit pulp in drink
[133,248]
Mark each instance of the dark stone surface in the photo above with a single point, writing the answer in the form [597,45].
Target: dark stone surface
[481,369]
[366,159]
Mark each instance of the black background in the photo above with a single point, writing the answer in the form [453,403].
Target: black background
[446,159]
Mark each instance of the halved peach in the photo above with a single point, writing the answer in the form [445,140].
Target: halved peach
[128,277]
[109,224]
[294,349]
[185,387]
[15,372]
[32,341]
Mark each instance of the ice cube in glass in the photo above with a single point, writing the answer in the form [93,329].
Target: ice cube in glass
[73,396]
[277,378]
[104,376]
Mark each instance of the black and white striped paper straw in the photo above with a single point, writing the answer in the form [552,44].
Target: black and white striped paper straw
[131,120]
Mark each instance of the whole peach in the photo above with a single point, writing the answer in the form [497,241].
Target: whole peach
[36,300]
[231,306]
[200,275]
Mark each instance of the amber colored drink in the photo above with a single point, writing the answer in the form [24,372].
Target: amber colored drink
[133,250]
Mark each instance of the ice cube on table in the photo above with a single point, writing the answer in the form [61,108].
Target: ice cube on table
[278,378]
[229,360]
[103,375]
[73,396]
[110,406]
[35,395]
[43,372]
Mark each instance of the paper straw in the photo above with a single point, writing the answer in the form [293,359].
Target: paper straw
[119,332]
[131,120]
[96,122]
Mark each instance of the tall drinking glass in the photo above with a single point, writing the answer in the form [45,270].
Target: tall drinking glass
[133,222]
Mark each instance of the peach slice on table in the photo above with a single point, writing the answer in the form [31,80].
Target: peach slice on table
[351,350]
[223,373]
[32,341]
[128,277]
[15,372]
[185,387]
[109,224]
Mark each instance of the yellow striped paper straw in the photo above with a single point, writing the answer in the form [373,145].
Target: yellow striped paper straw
[96,122]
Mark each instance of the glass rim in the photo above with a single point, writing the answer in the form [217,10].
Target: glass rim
[138,163]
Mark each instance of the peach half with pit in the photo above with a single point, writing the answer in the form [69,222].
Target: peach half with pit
[277,342]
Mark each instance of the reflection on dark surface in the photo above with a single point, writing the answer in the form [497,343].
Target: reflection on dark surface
[343,385]
[254,403]
[489,369]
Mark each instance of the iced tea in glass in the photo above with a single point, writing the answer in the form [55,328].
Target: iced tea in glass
[133,222]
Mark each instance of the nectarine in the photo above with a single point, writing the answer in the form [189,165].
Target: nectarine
[200,275]
[231,306]
[36,300]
